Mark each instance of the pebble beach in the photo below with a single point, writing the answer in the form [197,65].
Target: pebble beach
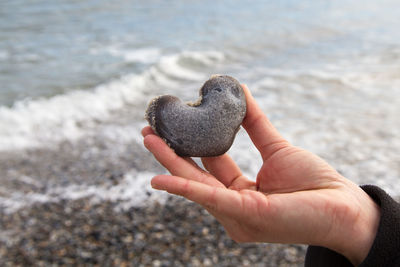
[177,233]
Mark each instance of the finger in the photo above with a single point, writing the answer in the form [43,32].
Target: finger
[215,199]
[264,135]
[184,167]
[223,167]
[193,163]
[147,130]
[227,172]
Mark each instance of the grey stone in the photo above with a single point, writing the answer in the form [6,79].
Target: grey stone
[204,128]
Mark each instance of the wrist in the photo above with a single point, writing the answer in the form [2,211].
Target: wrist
[356,234]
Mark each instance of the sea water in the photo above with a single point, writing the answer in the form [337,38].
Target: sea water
[327,73]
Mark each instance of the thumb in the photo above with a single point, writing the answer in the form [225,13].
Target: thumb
[264,135]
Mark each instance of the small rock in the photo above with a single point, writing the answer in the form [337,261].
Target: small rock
[205,128]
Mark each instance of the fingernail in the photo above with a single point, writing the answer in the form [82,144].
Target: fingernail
[155,186]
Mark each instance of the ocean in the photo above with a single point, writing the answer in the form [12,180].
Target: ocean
[76,77]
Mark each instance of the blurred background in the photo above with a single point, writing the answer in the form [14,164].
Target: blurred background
[75,80]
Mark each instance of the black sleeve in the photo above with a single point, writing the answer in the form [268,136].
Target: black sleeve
[385,250]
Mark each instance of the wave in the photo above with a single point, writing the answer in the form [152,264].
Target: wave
[132,191]
[143,55]
[36,123]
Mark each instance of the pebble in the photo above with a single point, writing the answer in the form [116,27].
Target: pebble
[205,128]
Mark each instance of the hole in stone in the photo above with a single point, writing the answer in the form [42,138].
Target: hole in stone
[179,141]
[235,91]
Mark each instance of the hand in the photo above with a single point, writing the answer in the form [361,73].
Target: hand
[297,198]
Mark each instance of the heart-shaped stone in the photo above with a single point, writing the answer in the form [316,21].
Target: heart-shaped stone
[205,128]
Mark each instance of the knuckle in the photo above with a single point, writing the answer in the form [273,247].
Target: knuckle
[211,202]
[185,189]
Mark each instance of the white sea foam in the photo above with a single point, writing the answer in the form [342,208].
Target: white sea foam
[169,65]
[172,66]
[246,155]
[33,123]
[144,55]
[204,57]
[123,134]
[134,190]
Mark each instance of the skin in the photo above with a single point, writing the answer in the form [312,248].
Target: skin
[297,198]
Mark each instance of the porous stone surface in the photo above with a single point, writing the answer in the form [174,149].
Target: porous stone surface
[204,128]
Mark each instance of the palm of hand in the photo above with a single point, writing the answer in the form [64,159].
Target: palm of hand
[292,186]
[290,169]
